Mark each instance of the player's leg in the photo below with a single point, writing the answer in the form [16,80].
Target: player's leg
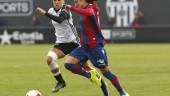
[111,76]
[53,56]
[61,50]
[99,58]
[104,87]
[73,64]
[114,80]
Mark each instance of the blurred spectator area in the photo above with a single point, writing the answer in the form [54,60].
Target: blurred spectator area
[139,19]
[156,13]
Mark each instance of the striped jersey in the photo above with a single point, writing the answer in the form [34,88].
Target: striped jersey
[65,31]
[91,31]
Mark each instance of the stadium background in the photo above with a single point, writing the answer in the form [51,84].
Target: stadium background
[144,68]
[156,13]
[155,24]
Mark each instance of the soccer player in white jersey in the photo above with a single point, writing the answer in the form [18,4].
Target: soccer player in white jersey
[66,40]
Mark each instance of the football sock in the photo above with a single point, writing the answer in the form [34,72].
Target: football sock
[59,78]
[77,69]
[104,88]
[114,79]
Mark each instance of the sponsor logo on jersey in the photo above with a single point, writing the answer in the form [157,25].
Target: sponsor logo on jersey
[100,61]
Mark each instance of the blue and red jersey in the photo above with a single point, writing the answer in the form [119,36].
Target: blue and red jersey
[91,31]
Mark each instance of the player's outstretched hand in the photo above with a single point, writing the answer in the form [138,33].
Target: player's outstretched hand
[38,9]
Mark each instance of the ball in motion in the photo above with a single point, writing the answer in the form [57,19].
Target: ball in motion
[34,93]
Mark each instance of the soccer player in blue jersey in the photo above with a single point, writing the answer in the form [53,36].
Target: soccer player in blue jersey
[92,45]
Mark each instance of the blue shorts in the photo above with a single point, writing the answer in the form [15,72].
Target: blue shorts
[96,55]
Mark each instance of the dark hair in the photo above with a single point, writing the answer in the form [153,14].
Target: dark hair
[89,1]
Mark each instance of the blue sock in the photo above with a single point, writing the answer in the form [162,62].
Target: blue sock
[77,69]
[113,78]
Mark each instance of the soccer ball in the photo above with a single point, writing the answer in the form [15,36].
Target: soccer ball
[34,93]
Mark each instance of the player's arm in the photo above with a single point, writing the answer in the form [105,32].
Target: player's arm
[87,12]
[62,16]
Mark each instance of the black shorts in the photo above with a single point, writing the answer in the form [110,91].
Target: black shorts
[66,47]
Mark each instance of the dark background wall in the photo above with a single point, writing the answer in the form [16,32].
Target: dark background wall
[156,13]
[18,21]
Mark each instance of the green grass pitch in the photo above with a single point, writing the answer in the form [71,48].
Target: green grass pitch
[144,70]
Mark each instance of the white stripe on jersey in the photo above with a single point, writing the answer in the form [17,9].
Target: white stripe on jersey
[64,32]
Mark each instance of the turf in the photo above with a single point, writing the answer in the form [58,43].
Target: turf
[144,70]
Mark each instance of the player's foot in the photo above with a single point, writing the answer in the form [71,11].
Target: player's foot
[97,73]
[126,94]
[94,78]
[58,86]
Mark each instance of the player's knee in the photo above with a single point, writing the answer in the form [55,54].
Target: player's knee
[52,57]
[49,60]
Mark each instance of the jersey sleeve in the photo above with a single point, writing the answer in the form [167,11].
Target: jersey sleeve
[62,16]
[88,11]
[55,18]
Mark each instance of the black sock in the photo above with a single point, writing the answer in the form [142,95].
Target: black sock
[59,78]
[104,88]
